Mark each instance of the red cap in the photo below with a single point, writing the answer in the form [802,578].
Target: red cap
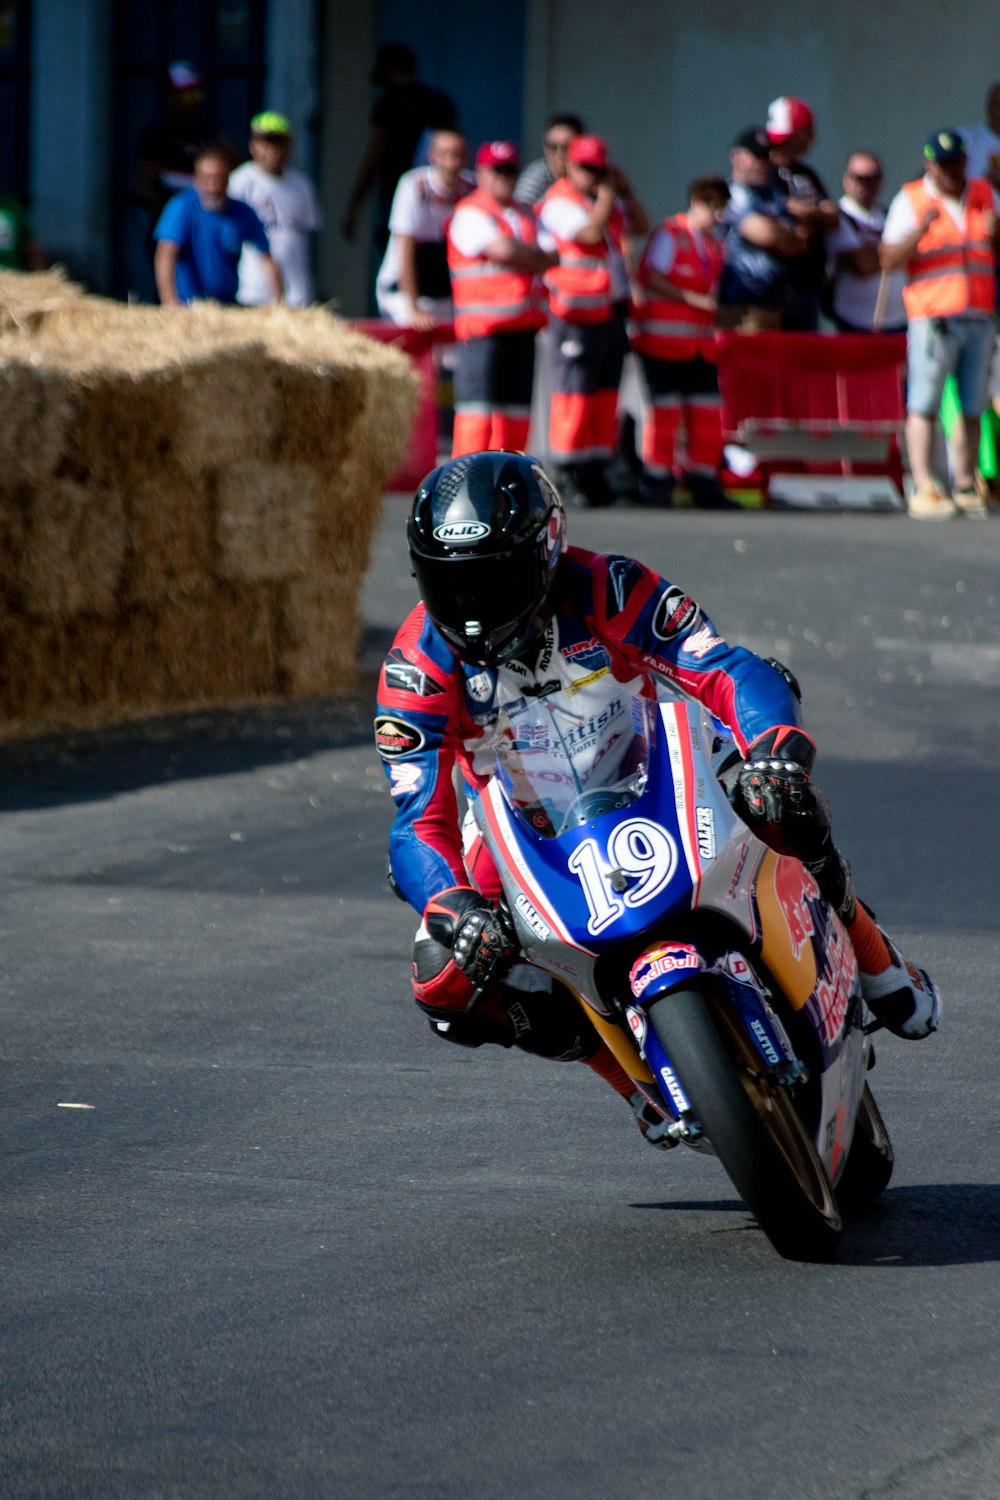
[785,116]
[498,154]
[588,151]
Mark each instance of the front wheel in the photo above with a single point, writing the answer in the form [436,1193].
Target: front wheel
[870,1160]
[754,1127]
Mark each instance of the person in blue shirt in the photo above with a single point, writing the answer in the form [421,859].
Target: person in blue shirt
[761,239]
[200,235]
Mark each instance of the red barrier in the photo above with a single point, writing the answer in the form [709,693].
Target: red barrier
[827,403]
[421,455]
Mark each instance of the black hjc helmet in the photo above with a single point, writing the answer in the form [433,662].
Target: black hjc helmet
[485,535]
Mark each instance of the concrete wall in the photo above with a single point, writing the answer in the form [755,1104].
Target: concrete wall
[671,84]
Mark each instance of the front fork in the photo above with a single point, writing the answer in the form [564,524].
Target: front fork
[733,984]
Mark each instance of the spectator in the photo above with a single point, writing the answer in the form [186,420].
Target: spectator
[675,319]
[539,175]
[791,132]
[942,230]
[285,203]
[586,217]
[982,142]
[860,287]
[167,152]
[495,266]
[200,235]
[400,121]
[19,250]
[413,287]
[761,239]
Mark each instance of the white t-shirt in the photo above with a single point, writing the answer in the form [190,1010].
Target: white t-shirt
[854,296]
[980,143]
[472,229]
[561,218]
[901,221]
[421,206]
[287,208]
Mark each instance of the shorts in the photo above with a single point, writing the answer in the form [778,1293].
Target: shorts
[939,347]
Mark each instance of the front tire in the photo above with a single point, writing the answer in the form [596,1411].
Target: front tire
[870,1160]
[754,1127]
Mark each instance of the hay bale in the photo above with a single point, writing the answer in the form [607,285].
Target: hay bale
[217,649]
[37,416]
[171,531]
[74,551]
[29,298]
[266,523]
[319,630]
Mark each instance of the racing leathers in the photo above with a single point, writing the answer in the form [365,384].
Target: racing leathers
[436,712]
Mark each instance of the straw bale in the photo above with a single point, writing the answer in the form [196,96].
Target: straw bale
[266,520]
[228,409]
[216,649]
[171,538]
[320,630]
[74,551]
[37,413]
[29,298]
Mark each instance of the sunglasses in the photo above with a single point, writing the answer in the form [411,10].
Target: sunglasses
[865,176]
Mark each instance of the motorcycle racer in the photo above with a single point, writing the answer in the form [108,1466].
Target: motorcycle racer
[508,609]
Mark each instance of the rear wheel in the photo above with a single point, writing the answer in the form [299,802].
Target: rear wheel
[753,1125]
[870,1160]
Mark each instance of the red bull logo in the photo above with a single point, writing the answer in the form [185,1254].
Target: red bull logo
[794,887]
[662,960]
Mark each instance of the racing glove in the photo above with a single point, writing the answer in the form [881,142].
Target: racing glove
[477,931]
[774,781]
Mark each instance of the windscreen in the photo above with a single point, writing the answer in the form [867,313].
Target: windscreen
[566,758]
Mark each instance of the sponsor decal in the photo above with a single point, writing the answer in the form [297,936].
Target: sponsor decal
[739,968]
[539,927]
[572,688]
[592,653]
[675,613]
[395,738]
[407,677]
[766,1045]
[637,1024]
[665,958]
[832,995]
[704,822]
[481,687]
[701,643]
[794,886]
[670,1080]
[405,777]
[461,531]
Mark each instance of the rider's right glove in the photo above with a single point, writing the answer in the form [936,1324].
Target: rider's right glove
[774,781]
[483,941]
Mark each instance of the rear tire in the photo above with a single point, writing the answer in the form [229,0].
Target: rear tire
[870,1160]
[753,1126]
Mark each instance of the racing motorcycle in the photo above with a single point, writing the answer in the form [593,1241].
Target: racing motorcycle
[719,977]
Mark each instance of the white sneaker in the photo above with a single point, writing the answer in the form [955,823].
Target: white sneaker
[970,503]
[903,997]
[928,503]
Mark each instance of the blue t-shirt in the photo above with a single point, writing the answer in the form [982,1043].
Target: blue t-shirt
[210,243]
[751,274]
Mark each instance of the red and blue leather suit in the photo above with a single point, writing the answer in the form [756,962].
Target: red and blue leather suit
[435,711]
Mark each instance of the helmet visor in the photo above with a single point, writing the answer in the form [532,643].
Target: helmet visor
[478,602]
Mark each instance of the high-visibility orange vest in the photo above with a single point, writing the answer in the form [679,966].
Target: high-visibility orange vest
[580,285]
[489,297]
[665,326]
[950,273]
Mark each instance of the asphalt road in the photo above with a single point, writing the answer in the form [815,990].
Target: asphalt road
[261,1235]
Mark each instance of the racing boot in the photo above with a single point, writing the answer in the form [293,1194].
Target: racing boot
[903,997]
[652,1125]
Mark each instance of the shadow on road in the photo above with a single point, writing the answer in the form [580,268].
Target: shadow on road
[86,765]
[927,1224]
